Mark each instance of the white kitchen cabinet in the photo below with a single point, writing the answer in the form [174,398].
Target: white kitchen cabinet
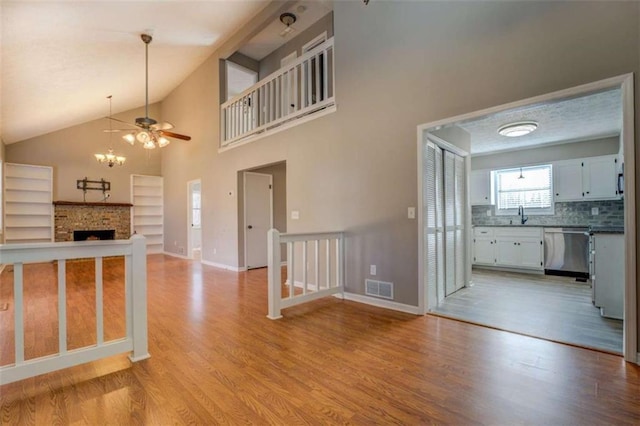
[567,180]
[600,178]
[480,182]
[519,247]
[512,247]
[483,246]
[608,268]
[593,178]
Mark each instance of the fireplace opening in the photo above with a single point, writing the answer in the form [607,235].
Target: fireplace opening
[100,234]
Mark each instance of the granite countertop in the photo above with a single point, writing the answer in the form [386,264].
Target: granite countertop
[606,229]
[594,229]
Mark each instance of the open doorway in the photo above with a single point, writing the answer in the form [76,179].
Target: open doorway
[512,254]
[194,205]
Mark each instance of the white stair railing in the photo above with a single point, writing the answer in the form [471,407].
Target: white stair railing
[135,284]
[315,265]
[299,89]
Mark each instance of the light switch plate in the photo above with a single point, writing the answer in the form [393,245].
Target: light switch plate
[411,212]
[372,270]
[295,214]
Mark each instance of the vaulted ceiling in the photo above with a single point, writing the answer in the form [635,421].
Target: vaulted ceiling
[60,60]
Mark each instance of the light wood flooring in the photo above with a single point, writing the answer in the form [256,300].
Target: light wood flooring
[549,307]
[217,359]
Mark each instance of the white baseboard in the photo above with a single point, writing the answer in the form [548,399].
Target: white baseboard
[181,256]
[223,266]
[300,284]
[380,303]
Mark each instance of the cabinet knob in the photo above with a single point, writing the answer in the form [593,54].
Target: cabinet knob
[557,194]
[515,244]
[587,192]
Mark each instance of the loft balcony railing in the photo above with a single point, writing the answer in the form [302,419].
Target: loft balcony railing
[297,90]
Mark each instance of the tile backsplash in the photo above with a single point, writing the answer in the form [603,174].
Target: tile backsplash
[610,213]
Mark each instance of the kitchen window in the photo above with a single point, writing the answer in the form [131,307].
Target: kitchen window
[529,187]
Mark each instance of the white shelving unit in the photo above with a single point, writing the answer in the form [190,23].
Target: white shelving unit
[148,205]
[28,208]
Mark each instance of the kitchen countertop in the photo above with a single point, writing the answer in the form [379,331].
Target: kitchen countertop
[594,229]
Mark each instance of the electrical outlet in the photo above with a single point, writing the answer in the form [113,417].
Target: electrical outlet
[181,250]
[295,214]
[372,270]
[488,212]
[411,212]
[215,250]
[595,211]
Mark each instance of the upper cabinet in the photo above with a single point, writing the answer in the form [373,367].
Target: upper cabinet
[480,182]
[593,178]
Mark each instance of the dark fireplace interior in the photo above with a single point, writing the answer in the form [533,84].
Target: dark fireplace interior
[100,234]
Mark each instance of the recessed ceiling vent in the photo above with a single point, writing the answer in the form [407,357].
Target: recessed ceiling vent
[379,289]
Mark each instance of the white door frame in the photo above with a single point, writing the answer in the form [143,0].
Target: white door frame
[189,224]
[244,207]
[625,82]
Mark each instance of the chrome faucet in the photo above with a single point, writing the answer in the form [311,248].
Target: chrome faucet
[523,218]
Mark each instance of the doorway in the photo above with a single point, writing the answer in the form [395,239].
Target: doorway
[194,205]
[624,85]
[258,217]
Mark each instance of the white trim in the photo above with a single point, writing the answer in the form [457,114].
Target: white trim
[269,132]
[223,266]
[288,59]
[300,284]
[314,42]
[625,82]
[380,303]
[179,256]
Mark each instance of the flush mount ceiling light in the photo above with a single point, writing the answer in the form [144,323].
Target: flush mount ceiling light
[288,19]
[521,128]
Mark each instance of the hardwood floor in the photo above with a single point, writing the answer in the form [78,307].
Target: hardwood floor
[217,359]
[549,307]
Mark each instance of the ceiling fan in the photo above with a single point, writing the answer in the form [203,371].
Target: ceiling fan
[151,134]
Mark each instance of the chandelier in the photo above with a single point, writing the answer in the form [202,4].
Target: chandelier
[110,159]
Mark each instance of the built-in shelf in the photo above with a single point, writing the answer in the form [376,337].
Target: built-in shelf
[147,217]
[28,212]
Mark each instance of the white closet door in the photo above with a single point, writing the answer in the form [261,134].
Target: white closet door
[460,208]
[440,253]
[449,223]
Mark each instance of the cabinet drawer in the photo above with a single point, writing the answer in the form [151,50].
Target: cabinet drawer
[483,231]
[518,232]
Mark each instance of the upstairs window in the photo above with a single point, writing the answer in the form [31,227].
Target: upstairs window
[529,187]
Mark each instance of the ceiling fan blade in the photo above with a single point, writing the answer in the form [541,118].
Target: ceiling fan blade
[122,121]
[174,135]
[162,126]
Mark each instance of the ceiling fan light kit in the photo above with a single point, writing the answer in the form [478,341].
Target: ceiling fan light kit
[150,134]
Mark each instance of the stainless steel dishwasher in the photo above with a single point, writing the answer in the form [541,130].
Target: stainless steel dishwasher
[566,252]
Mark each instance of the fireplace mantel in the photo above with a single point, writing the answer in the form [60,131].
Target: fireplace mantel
[87,203]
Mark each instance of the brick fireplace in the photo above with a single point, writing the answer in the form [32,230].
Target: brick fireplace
[70,216]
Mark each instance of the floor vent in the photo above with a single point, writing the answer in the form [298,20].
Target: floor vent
[378,289]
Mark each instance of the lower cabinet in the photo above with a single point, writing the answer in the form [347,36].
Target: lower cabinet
[608,274]
[509,247]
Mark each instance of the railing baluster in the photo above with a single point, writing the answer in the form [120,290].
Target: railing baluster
[62,306]
[18,300]
[290,271]
[317,263]
[296,102]
[325,75]
[128,305]
[304,267]
[328,263]
[338,263]
[318,98]
[303,84]
[99,311]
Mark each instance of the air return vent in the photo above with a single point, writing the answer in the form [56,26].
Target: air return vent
[378,289]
